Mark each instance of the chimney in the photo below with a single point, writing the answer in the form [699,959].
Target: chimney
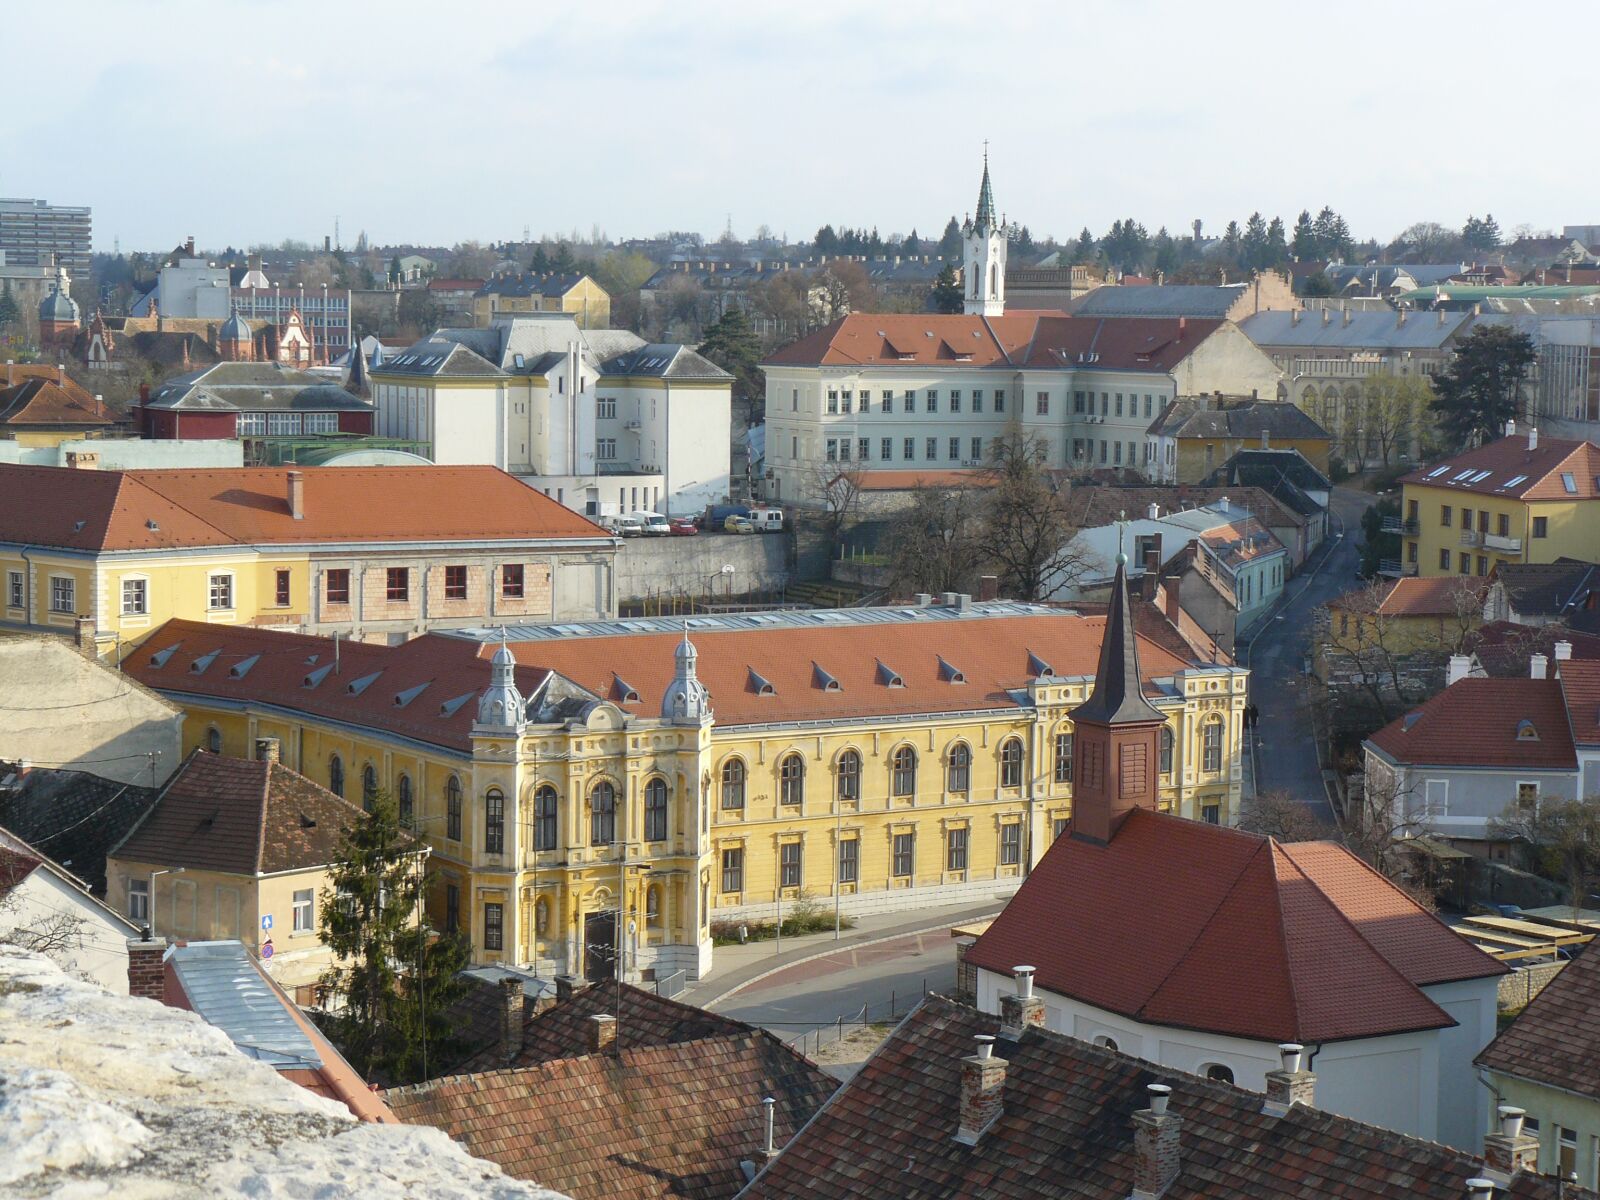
[1290,1084]
[1563,651]
[1347,316]
[1170,584]
[1183,325]
[989,587]
[1266,440]
[144,393]
[297,494]
[1441,317]
[147,973]
[1480,1189]
[511,1017]
[1156,1158]
[1510,1150]
[1400,322]
[1460,666]
[1294,317]
[1533,437]
[269,750]
[83,460]
[769,1141]
[1327,316]
[1022,1008]
[61,374]
[1511,427]
[602,1033]
[188,245]
[1538,667]
[83,634]
[11,372]
[1153,511]
[568,986]
[983,1086]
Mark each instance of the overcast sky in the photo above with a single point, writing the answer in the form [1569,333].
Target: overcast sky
[244,121]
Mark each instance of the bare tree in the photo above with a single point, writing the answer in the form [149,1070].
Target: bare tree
[1027,529]
[937,544]
[1562,840]
[58,936]
[837,492]
[1380,823]
[1279,815]
[1396,412]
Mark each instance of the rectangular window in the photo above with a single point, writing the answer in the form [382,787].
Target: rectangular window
[833,401]
[863,449]
[494,926]
[1211,814]
[494,823]
[1042,404]
[1063,772]
[955,402]
[1119,404]
[14,593]
[977,448]
[336,583]
[789,865]
[932,447]
[606,408]
[1077,402]
[977,402]
[1483,565]
[1117,446]
[1436,798]
[1011,844]
[844,402]
[1445,514]
[63,594]
[910,449]
[398,583]
[955,449]
[904,856]
[933,401]
[139,900]
[794,400]
[733,869]
[1057,828]
[1466,563]
[1103,452]
[455,583]
[1566,1150]
[304,910]
[886,449]
[910,403]
[135,599]
[1541,527]
[252,425]
[886,405]
[1105,404]
[955,850]
[606,449]
[452,908]
[849,860]
[999,401]
[844,449]
[221,591]
[1147,402]
[283,424]
[1503,525]
[866,400]
[280,589]
[832,450]
[1211,747]
[1444,560]
[1528,798]
[511,581]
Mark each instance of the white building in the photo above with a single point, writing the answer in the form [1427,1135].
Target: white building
[41,899]
[598,419]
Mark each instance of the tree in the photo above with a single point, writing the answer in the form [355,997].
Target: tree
[1253,245]
[947,296]
[1562,840]
[1025,521]
[392,979]
[911,244]
[732,345]
[419,312]
[937,544]
[1482,236]
[1083,249]
[1481,389]
[1377,545]
[1277,249]
[1233,243]
[950,242]
[395,270]
[10,314]
[1380,823]
[1306,247]
[1024,243]
[1333,235]
[838,495]
[846,288]
[58,935]
[1166,257]
[1280,815]
[1426,241]
[1395,410]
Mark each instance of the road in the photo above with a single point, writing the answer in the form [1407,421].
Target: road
[1286,756]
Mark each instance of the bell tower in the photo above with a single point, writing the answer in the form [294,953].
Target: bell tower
[983,254]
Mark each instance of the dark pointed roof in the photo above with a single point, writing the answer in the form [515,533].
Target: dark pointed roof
[985,216]
[1117,698]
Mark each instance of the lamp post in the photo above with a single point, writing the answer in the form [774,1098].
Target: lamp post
[153,874]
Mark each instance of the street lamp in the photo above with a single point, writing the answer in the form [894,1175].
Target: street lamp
[727,572]
[153,874]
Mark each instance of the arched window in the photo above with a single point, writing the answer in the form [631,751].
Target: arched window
[494,821]
[1063,771]
[1217,1072]
[733,783]
[904,781]
[958,770]
[1108,1043]
[544,817]
[403,798]
[1211,745]
[791,780]
[452,809]
[369,785]
[214,740]
[994,281]
[602,814]
[1011,763]
[849,776]
[655,810]
[336,775]
[541,917]
[1166,750]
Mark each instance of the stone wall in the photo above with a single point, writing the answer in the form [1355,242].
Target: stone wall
[692,566]
[1524,983]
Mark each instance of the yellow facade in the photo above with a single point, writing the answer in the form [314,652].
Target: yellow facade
[1503,529]
[585,300]
[1199,456]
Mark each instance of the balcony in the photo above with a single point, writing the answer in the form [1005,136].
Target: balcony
[1393,568]
[1505,545]
[1400,525]
[1471,537]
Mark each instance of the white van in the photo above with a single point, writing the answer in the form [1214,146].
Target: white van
[651,523]
[628,526]
[767,520]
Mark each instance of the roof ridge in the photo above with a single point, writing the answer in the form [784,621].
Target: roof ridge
[261,812]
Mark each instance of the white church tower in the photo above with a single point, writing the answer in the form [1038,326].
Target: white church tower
[983,255]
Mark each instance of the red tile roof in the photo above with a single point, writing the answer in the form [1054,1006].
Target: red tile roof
[18,860]
[908,479]
[1556,1040]
[1475,723]
[1417,596]
[1580,687]
[44,401]
[1537,472]
[149,510]
[1332,951]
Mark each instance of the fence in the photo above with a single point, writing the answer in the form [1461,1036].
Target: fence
[883,1012]
[670,985]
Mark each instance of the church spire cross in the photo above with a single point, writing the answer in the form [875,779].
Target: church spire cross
[985,217]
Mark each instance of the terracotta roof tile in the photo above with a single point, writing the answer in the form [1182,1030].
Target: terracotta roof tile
[1556,1040]
[1418,596]
[1580,688]
[1537,473]
[44,401]
[1475,722]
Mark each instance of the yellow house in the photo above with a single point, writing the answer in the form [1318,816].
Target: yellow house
[1519,499]
[1389,619]
[1195,435]
[236,848]
[364,552]
[570,292]
[590,790]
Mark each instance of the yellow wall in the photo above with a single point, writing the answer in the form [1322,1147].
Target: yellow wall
[1572,529]
[1194,465]
[586,300]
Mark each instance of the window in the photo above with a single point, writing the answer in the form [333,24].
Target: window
[977,401]
[833,400]
[932,448]
[602,814]
[252,425]
[494,926]
[605,449]
[909,448]
[1444,560]
[910,404]
[511,581]
[933,401]
[655,810]
[999,401]
[606,408]
[886,449]
[452,908]
[1466,563]
[789,865]
[452,809]
[214,740]
[404,801]
[904,774]
[139,900]
[14,592]
[1064,757]
[958,770]
[1211,746]
[1166,750]
[221,591]
[1011,763]
[1445,513]
[886,404]
[733,869]
[733,784]
[1567,1150]
[369,785]
[844,402]
[1483,565]
[1527,798]
[844,449]
[977,448]
[1117,446]
[455,583]
[1119,404]
[336,585]
[1211,814]
[848,776]
[1077,402]
[1011,844]
[833,450]
[955,850]
[866,399]
[904,855]
[849,860]
[791,780]
[1569,482]
[336,775]
[544,818]
[1042,404]
[1503,525]
[955,402]
[1058,827]
[304,910]
[863,449]
[1217,1073]
[1541,527]
[398,584]
[494,821]
[135,597]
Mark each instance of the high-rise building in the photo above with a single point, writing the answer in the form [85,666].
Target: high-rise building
[36,234]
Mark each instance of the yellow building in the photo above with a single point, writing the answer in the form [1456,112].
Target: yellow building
[1372,628]
[236,849]
[1197,434]
[1519,499]
[364,552]
[579,776]
[570,292]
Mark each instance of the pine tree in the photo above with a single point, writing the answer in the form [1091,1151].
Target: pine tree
[361,242]
[1277,248]
[1024,242]
[1306,247]
[1232,243]
[10,314]
[911,243]
[733,346]
[1083,250]
[947,296]
[826,241]
[1254,242]
[1481,235]
[1166,258]
[950,243]
[394,268]
[1333,235]
[1481,388]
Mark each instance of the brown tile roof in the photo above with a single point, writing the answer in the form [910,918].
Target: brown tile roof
[150,510]
[1119,343]
[44,401]
[1066,1132]
[1503,648]
[1580,687]
[1556,1040]
[1474,723]
[659,1120]
[904,480]
[1417,596]
[1335,951]
[1537,473]
[241,816]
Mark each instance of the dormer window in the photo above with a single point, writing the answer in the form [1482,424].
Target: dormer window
[759,684]
[1526,732]
[888,676]
[822,679]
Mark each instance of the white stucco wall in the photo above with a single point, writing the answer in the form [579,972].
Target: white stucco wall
[101,952]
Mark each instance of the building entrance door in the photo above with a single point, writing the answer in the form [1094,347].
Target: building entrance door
[599,945]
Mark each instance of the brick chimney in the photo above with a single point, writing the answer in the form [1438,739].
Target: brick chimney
[1509,1150]
[989,587]
[1022,1008]
[83,634]
[269,750]
[1156,1157]
[511,1017]
[297,494]
[983,1086]
[568,986]
[602,1033]
[1290,1084]
[147,973]
[1170,585]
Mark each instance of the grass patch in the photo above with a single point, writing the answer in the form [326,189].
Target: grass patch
[805,915]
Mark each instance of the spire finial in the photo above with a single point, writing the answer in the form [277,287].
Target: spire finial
[1122,530]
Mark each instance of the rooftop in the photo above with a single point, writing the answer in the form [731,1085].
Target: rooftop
[1416,596]
[254,387]
[1164,300]
[1519,466]
[1198,417]
[1548,589]
[1555,1040]
[1485,723]
[73,816]
[1330,330]
[47,401]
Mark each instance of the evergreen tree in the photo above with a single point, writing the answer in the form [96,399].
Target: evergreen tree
[826,241]
[1333,235]
[1254,243]
[562,262]
[1306,246]
[539,264]
[10,314]
[1083,250]
[733,346]
[947,296]
[1232,243]
[1277,248]
[1482,236]
[393,979]
[912,243]
[1481,388]
[1166,257]
[1025,246]
[950,243]
[394,268]
[361,242]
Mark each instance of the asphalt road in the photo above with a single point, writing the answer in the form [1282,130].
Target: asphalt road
[1286,749]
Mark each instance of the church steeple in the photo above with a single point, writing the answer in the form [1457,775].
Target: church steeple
[985,217]
[686,699]
[983,254]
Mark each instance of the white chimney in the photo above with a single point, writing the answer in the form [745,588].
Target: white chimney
[1480,1189]
[769,1146]
[1021,1009]
[1533,437]
[1538,667]
[1460,666]
[1291,1083]
[1153,512]
[1563,651]
[1511,427]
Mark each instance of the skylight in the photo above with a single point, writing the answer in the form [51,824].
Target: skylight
[1569,482]
[1514,481]
[1437,471]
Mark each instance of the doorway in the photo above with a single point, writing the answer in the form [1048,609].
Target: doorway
[599,945]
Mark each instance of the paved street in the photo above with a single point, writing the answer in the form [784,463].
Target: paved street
[1286,751]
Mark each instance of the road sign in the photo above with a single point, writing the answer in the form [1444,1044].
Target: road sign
[266,948]
[266,920]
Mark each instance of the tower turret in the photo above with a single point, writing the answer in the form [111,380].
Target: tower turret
[501,709]
[686,699]
[983,254]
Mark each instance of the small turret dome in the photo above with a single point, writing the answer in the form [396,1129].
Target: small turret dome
[235,329]
[58,306]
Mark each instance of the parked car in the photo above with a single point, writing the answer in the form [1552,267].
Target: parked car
[718,514]
[629,526]
[767,520]
[737,524]
[683,527]
[653,523]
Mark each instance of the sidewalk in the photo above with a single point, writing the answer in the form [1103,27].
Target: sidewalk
[734,967]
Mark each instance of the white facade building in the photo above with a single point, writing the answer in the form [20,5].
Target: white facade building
[39,897]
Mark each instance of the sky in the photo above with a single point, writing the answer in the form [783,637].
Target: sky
[252,121]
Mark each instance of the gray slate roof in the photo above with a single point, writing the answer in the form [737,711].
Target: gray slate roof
[533,343]
[439,356]
[1548,589]
[254,387]
[73,816]
[551,283]
[665,361]
[1424,274]
[1189,417]
[1164,300]
[1355,330]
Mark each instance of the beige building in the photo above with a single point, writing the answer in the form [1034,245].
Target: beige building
[570,292]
